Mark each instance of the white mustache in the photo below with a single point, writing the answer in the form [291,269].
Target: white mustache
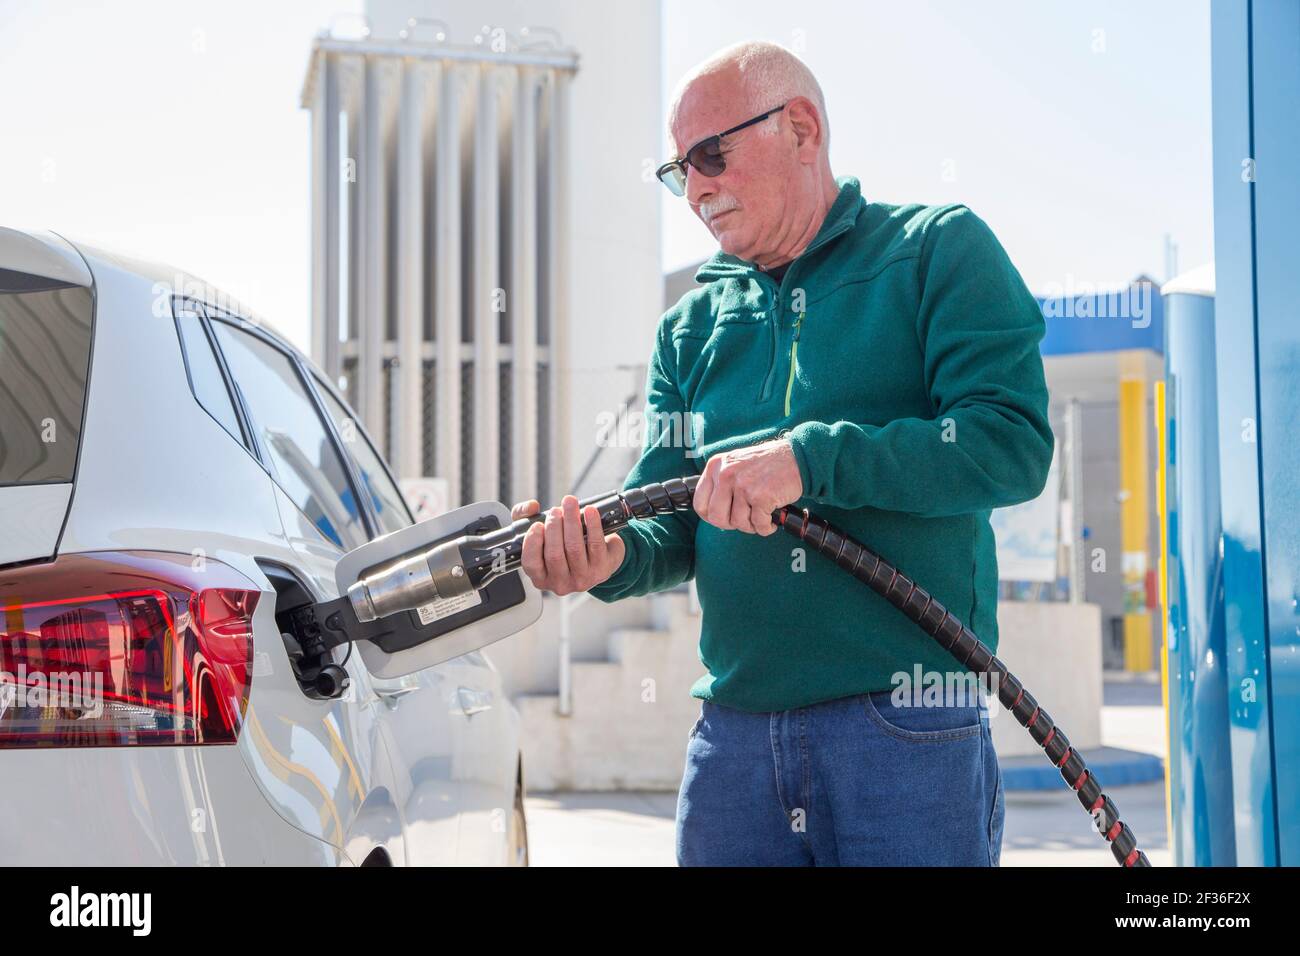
[720,205]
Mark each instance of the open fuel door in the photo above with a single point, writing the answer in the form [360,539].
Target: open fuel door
[400,643]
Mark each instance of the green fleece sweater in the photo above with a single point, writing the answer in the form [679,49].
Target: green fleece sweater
[899,354]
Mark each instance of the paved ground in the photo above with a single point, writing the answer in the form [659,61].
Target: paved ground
[1042,829]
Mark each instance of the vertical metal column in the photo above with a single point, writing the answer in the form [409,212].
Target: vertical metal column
[557,184]
[487,280]
[410,271]
[352,264]
[372,167]
[447,259]
[325,173]
[523,284]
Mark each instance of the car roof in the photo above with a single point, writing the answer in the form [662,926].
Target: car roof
[43,254]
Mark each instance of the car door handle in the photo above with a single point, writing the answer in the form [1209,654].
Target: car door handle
[473,701]
[393,696]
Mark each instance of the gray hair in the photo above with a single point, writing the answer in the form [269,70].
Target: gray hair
[770,75]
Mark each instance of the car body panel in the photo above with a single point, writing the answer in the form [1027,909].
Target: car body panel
[485,773]
[416,744]
[32,516]
[144,806]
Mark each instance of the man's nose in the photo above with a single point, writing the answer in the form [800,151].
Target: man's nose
[699,188]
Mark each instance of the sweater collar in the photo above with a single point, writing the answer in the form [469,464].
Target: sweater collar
[840,218]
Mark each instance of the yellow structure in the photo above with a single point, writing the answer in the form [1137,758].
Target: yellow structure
[1162,513]
[1135,520]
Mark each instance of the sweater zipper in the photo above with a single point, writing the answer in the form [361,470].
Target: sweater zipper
[774,346]
[794,352]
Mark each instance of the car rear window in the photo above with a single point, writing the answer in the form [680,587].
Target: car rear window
[44,360]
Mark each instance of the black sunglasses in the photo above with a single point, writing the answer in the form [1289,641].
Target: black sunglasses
[706,156]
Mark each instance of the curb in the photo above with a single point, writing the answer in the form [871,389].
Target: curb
[1114,766]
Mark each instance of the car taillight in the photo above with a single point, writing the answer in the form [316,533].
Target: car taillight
[112,649]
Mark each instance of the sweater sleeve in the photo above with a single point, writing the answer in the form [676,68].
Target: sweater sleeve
[989,443]
[660,551]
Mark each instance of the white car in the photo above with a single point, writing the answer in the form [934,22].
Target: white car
[177,483]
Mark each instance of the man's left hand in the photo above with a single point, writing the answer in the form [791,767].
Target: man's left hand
[740,489]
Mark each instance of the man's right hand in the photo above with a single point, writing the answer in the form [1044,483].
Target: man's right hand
[557,558]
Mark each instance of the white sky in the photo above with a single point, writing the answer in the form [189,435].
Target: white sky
[168,130]
[1081,161]
[171,130]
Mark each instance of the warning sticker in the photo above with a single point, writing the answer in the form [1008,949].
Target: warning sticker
[440,609]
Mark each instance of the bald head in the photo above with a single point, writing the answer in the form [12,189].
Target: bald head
[775,190]
[763,74]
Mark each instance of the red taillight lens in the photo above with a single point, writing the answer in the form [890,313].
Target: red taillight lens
[114,649]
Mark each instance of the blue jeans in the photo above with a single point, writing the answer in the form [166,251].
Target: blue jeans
[850,782]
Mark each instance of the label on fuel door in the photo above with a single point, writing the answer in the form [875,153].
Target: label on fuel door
[447,607]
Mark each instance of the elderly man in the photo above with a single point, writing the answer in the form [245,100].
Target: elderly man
[878,364]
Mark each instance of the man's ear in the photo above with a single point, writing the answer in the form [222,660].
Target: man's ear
[806,122]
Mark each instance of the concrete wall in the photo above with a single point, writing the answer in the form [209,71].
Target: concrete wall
[1052,648]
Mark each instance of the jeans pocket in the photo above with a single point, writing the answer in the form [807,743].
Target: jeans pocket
[921,724]
[695,728]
